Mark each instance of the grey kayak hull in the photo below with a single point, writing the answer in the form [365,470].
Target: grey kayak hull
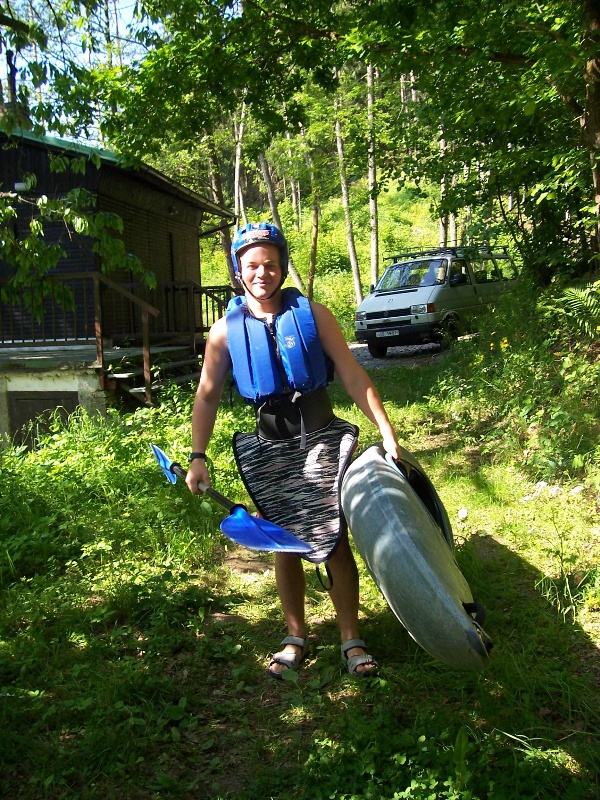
[410,557]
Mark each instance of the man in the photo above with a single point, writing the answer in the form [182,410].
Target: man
[282,348]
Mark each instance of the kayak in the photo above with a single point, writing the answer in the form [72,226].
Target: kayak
[403,534]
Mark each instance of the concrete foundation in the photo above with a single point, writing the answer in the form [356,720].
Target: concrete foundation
[35,382]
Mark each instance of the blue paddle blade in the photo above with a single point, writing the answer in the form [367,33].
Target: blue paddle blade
[252,532]
[164,462]
[260,534]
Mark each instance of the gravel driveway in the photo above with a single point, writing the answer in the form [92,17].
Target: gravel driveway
[410,356]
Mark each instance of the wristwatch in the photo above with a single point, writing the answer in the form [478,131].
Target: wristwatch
[193,456]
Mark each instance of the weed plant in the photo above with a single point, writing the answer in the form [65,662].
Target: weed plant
[134,639]
[531,390]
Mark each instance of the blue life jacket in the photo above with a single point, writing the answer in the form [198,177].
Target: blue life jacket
[287,359]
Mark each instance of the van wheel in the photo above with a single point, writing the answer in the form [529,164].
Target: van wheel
[449,333]
[377,350]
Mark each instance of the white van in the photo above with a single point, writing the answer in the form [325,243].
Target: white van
[427,295]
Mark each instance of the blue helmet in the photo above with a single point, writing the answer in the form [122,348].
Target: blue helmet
[259,233]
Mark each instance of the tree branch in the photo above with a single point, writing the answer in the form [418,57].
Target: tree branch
[13,23]
[298,25]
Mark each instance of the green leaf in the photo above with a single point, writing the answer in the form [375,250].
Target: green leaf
[175,712]
[290,675]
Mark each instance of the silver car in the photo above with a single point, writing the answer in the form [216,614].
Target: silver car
[428,295]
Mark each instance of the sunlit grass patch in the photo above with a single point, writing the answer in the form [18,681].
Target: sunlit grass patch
[133,649]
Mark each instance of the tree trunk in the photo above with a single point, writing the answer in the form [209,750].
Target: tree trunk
[216,187]
[294,188]
[452,230]
[591,118]
[372,167]
[314,235]
[403,91]
[443,231]
[242,208]
[275,215]
[413,91]
[467,220]
[346,205]
[238,130]
[444,215]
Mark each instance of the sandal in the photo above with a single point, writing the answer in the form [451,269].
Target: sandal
[288,660]
[354,662]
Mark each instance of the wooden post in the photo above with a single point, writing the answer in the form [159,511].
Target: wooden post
[191,314]
[146,349]
[98,332]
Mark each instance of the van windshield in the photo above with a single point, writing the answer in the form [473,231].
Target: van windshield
[411,274]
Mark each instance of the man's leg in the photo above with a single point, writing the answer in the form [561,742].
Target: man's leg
[344,594]
[291,587]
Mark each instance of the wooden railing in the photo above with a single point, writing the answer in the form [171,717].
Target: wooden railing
[74,308]
[187,309]
[138,306]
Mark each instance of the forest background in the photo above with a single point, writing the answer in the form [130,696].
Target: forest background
[131,646]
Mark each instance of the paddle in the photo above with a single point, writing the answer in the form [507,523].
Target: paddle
[240,526]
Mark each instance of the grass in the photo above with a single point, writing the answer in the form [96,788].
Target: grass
[133,641]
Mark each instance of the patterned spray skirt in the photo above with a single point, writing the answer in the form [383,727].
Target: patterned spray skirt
[299,489]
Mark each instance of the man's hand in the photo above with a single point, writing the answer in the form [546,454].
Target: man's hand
[197,472]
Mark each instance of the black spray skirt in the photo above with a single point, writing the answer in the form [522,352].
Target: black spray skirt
[299,489]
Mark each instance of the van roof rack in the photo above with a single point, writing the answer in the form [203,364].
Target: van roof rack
[463,250]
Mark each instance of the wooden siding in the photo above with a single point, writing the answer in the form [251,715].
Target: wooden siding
[161,224]
[17,160]
[160,229]
[20,158]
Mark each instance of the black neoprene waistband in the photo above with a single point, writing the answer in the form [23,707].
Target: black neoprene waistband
[282,417]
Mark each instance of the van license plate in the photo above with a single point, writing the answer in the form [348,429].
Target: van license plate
[382,334]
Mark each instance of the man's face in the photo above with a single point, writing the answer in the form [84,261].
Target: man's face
[260,269]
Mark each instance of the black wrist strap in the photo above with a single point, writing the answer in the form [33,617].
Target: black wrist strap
[193,456]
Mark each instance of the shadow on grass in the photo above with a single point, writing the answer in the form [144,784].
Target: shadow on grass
[527,727]
[165,693]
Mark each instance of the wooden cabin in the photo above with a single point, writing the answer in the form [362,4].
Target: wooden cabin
[112,333]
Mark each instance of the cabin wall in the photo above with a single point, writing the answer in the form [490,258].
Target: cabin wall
[18,159]
[160,229]
[161,224]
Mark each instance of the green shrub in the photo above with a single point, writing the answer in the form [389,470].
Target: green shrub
[528,386]
[579,310]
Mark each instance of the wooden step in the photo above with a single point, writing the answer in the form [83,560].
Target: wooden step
[123,376]
[115,355]
[165,366]
[183,363]
[189,378]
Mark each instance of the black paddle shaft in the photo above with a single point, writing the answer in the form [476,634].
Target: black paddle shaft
[178,470]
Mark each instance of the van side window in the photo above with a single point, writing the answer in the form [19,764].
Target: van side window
[504,269]
[459,274]
[489,267]
[484,270]
[479,270]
